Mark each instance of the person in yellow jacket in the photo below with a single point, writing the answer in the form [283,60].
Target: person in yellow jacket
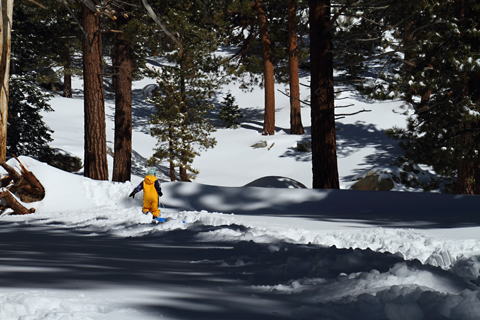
[151,192]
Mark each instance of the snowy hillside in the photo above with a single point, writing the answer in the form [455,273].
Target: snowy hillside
[242,252]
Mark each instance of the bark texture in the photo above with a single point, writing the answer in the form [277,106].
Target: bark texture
[67,78]
[324,153]
[122,163]
[95,159]
[268,71]
[6,16]
[13,203]
[468,181]
[296,126]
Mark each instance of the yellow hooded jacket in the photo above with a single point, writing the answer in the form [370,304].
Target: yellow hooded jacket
[150,196]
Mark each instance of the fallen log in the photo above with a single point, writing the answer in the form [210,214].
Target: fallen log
[24,185]
[12,203]
[12,175]
[29,189]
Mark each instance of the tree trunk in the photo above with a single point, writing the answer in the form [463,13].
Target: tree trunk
[468,178]
[184,64]
[171,152]
[12,203]
[296,126]
[95,162]
[6,19]
[324,153]
[172,171]
[67,77]
[122,162]
[269,117]
[184,175]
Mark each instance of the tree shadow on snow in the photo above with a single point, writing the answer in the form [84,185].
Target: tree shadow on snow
[377,208]
[193,279]
[141,112]
[352,138]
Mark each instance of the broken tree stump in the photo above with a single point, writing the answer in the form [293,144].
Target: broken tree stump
[12,203]
[28,188]
[24,185]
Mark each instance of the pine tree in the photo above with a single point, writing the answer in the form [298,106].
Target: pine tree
[95,153]
[123,70]
[180,124]
[27,133]
[268,70]
[296,126]
[439,81]
[324,154]
[186,86]
[266,34]
[229,112]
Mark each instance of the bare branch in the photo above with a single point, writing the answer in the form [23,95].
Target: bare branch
[351,114]
[157,20]
[38,4]
[90,5]
[85,33]
[286,94]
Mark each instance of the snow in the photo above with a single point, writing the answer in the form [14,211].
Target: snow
[269,250]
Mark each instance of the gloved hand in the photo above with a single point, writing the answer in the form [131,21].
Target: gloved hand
[161,194]
[132,194]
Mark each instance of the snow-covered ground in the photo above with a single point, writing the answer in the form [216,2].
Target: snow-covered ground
[242,252]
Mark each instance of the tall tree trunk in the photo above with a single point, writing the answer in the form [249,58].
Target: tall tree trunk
[296,126]
[67,77]
[269,117]
[122,162]
[6,17]
[95,159]
[184,64]
[468,177]
[171,151]
[324,153]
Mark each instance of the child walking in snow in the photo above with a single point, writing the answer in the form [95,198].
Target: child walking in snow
[151,191]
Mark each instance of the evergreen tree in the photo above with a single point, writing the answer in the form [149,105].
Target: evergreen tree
[229,112]
[123,70]
[266,34]
[324,154]
[437,76]
[296,126]
[180,123]
[50,56]
[268,70]
[27,133]
[95,153]
[187,83]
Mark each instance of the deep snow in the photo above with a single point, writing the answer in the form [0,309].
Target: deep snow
[243,252]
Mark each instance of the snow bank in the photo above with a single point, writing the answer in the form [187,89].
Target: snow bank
[332,258]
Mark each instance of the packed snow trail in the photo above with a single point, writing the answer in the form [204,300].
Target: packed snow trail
[90,253]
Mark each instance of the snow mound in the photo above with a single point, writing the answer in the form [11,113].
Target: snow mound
[276,182]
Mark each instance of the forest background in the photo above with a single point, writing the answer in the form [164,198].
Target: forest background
[425,53]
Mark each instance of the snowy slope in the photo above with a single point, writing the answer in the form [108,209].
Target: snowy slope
[243,252]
